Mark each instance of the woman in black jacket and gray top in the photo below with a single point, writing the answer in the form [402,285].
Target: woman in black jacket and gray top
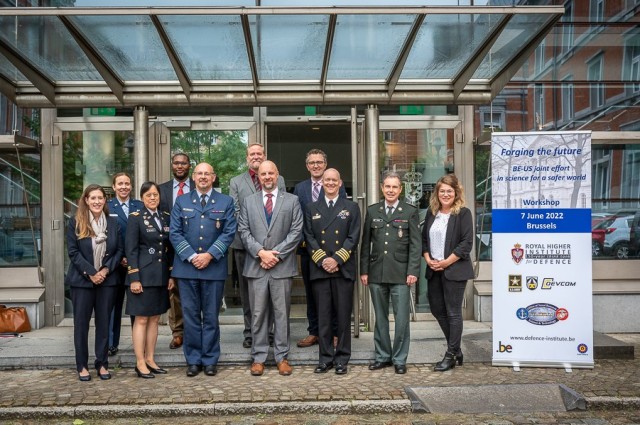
[447,239]
[95,251]
[150,257]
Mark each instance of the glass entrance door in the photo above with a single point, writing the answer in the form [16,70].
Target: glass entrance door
[421,152]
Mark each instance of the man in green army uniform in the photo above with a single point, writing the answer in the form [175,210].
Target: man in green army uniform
[389,266]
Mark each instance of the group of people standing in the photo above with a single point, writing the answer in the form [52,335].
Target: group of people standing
[172,248]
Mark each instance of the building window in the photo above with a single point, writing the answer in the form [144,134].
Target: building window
[631,175]
[567,29]
[540,57]
[596,90]
[596,11]
[539,105]
[493,120]
[631,70]
[601,169]
[567,101]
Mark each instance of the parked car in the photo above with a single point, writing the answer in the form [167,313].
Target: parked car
[597,237]
[634,234]
[617,237]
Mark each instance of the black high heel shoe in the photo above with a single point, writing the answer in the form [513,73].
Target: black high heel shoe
[158,370]
[144,375]
[103,376]
[448,362]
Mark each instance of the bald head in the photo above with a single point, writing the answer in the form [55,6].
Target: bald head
[268,175]
[331,183]
[204,176]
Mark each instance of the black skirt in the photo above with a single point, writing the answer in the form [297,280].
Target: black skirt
[153,301]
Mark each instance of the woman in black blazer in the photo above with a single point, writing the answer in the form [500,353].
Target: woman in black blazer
[150,257]
[95,251]
[447,239]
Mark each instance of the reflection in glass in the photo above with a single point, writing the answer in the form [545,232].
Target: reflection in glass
[289,47]
[45,41]
[518,32]
[210,47]
[17,248]
[130,44]
[436,52]
[367,46]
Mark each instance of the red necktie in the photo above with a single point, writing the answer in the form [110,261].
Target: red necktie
[268,206]
[180,186]
[256,182]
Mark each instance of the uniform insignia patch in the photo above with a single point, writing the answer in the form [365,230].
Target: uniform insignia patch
[152,251]
[136,213]
[344,214]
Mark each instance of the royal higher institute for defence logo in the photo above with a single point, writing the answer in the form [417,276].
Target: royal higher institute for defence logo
[517,253]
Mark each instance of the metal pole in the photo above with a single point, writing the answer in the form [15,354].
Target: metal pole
[140,150]
[372,127]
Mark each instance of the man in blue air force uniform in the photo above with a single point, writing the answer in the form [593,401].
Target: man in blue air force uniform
[202,228]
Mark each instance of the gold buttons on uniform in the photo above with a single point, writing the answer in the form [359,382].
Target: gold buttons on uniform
[385,252]
[337,232]
[323,232]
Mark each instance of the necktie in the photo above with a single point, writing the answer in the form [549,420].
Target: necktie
[268,206]
[125,209]
[331,204]
[389,210]
[157,220]
[315,193]
[203,200]
[180,188]
[256,182]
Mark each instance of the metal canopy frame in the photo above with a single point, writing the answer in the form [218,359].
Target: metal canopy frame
[41,91]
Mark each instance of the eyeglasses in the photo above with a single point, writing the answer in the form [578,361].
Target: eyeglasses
[446,192]
[315,163]
[180,163]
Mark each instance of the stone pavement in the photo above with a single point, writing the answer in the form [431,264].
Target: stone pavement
[46,385]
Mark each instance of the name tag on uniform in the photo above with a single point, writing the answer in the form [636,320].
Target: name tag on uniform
[377,220]
[316,217]
[113,215]
[187,209]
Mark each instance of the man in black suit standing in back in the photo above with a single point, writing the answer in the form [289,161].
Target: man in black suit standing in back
[169,192]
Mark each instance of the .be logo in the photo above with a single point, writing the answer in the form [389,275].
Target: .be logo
[504,348]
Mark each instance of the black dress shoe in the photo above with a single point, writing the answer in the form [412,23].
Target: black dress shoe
[247,342]
[112,351]
[379,365]
[400,369]
[104,376]
[341,369]
[210,370]
[84,378]
[323,368]
[144,375]
[159,370]
[193,370]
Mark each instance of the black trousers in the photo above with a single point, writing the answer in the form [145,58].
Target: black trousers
[334,301]
[445,299]
[87,301]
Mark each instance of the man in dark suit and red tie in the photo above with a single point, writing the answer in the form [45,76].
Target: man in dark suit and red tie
[308,191]
[170,191]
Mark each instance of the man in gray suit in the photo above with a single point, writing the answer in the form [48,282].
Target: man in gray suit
[240,187]
[270,226]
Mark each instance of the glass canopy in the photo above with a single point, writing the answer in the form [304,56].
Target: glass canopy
[180,56]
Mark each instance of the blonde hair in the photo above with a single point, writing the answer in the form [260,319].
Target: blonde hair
[83,226]
[458,202]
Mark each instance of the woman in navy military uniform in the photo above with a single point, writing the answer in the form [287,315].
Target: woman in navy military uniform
[95,251]
[150,256]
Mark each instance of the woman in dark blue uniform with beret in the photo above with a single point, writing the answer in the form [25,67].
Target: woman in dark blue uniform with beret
[95,251]
[150,256]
